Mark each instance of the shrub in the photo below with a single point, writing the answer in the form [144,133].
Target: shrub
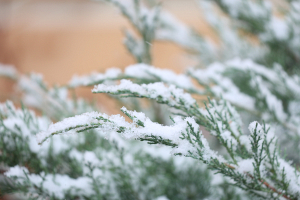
[179,147]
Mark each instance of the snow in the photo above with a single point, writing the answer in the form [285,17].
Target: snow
[262,77]
[292,175]
[139,15]
[25,124]
[256,126]
[250,9]
[232,43]
[265,133]
[110,74]
[240,100]
[161,198]
[294,108]
[234,6]
[90,157]
[137,71]
[249,65]
[134,44]
[245,140]
[279,28]
[134,131]
[224,87]
[126,6]
[56,185]
[219,111]
[144,71]
[35,93]
[172,95]
[14,124]
[16,171]
[274,104]
[291,84]
[245,165]
[82,121]
[79,121]
[171,29]
[231,141]
[174,133]
[8,71]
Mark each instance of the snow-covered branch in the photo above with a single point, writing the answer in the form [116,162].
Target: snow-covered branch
[251,163]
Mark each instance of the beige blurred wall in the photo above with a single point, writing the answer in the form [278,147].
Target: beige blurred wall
[62,38]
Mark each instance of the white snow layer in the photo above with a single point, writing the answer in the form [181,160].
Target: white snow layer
[94,77]
[8,71]
[56,184]
[138,71]
[133,131]
[171,94]
[144,71]
[26,124]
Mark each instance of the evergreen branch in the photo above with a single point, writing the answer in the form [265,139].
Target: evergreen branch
[261,87]
[253,162]
[95,78]
[145,21]
[185,138]
[171,95]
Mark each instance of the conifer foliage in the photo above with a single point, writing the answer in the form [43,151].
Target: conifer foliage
[243,142]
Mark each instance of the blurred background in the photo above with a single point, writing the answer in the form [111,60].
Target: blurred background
[60,38]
